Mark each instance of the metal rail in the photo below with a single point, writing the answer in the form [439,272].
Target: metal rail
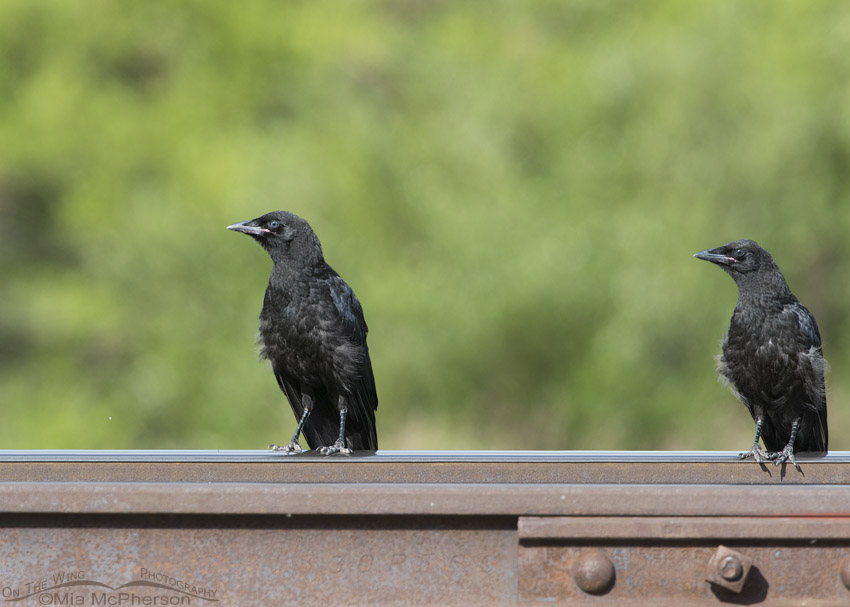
[478,467]
[264,455]
[421,528]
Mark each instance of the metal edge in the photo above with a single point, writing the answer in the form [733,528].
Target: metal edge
[243,456]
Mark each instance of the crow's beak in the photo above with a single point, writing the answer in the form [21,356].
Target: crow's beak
[246,227]
[714,257]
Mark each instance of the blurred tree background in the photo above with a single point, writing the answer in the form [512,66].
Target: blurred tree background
[513,189]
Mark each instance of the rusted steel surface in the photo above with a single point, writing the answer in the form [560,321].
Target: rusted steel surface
[649,573]
[244,562]
[421,528]
[688,560]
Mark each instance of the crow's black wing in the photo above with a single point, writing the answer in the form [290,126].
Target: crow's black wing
[809,333]
[363,397]
[814,434]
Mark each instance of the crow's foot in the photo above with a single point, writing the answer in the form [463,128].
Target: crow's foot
[786,455]
[337,447]
[292,447]
[758,454]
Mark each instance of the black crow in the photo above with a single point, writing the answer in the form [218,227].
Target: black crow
[313,331]
[771,356]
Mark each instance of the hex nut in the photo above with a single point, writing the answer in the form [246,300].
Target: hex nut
[729,569]
[593,572]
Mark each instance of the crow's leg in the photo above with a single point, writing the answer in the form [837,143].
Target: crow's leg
[294,446]
[787,454]
[339,445]
[756,452]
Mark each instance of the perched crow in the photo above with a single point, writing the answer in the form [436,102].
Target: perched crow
[313,332]
[771,356]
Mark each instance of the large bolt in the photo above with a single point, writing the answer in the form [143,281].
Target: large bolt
[593,572]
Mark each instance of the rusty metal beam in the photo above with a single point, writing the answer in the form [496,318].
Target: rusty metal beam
[421,528]
[336,499]
[666,528]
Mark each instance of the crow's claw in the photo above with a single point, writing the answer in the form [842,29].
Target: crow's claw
[786,455]
[337,447]
[292,447]
[758,454]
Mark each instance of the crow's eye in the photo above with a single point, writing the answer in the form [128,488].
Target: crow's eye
[274,224]
[739,254]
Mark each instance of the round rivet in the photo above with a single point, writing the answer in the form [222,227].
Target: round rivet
[593,572]
[731,569]
[845,573]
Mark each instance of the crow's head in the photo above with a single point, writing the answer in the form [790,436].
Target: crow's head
[284,235]
[746,262]
[741,256]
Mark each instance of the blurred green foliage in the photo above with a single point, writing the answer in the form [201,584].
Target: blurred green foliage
[513,189]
